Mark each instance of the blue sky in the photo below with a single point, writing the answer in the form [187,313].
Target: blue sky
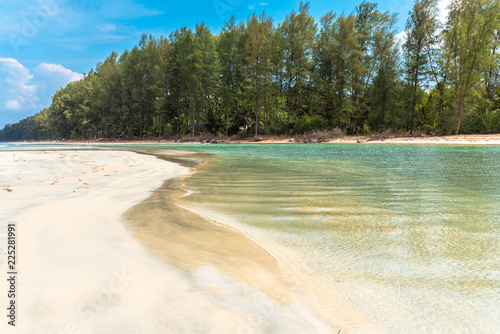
[44,44]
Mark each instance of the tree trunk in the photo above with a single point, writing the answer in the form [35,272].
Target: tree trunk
[192,127]
[265,113]
[265,119]
[256,125]
[415,85]
[257,111]
[198,122]
[161,120]
[140,122]
[460,113]
[457,112]
[288,122]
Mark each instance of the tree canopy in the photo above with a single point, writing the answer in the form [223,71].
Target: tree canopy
[258,76]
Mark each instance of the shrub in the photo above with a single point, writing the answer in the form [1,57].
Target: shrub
[493,121]
[243,133]
[313,123]
[472,124]
[366,131]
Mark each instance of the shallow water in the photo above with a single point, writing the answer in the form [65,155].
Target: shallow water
[407,236]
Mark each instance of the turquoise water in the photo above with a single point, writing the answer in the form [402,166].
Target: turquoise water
[4,146]
[407,236]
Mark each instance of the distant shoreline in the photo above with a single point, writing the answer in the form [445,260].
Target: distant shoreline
[487,139]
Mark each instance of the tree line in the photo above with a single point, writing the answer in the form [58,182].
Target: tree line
[259,77]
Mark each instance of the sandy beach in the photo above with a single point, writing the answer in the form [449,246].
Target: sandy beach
[485,139]
[81,269]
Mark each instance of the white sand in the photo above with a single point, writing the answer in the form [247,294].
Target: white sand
[81,271]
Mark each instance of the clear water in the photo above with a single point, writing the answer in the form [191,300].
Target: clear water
[407,236]
[4,146]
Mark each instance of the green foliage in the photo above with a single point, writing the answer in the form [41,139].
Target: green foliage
[366,130]
[213,124]
[473,123]
[345,71]
[492,121]
[470,40]
[421,41]
[243,133]
[313,123]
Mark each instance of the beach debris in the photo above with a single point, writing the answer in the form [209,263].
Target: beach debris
[7,189]
[212,141]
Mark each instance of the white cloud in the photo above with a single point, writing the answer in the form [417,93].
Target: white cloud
[401,37]
[12,105]
[251,7]
[263,3]
[50,78]
[24,92]
[443,10]
[57,72]
[17,73]
[16,93]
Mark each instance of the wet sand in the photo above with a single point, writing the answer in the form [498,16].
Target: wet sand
[187,241]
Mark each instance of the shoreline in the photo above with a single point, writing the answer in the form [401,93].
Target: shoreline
[488,139]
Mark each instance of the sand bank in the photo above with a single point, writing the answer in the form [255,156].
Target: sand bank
[81,271]
[487,139]
[493,139]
